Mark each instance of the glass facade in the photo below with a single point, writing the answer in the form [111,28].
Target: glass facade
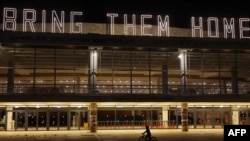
[55,70]
[128,117]
[35,71]
[53,118]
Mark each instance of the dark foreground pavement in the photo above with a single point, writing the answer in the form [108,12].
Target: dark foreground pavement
[113,135]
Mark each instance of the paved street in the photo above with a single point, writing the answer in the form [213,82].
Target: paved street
[113,135]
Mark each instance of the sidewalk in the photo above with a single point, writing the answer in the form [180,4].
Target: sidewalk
[113,135]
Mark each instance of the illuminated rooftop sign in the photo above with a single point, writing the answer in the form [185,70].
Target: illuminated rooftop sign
[211,27]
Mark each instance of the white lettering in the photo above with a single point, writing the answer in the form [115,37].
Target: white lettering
[243,28]
[29,17]
[198,27]
[243,131]
[72,22]
[9,19]
[132,25]
[229,27]
[216,27]
[163,26]
[56,21]
[231,132]
[112,22]
[143,25]
[235,132]
[43,20]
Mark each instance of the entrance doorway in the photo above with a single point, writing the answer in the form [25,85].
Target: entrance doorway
[50,119]
[244,117]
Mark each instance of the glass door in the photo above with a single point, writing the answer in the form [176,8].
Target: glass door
[199,119]
[42,120]
[208,114]
[244,117]
[19,118]
[63,120]
[78,119]
[53,120]
[32,120]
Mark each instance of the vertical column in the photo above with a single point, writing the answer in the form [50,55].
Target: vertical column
[133,113]
[148,118]
[93,70]
[165,79]
[159,89]
[10,87]
[139,113]
[184,116]
[9,119]
[225,86]
[165,116]
[93,66]
[235,116]
[159,119]
[93,117]
[183,66]
[234,80]
[78,84]
[159,115]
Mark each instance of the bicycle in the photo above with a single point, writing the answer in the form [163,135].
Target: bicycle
[144,138]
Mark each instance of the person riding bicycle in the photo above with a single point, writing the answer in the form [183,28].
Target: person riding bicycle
[148,135]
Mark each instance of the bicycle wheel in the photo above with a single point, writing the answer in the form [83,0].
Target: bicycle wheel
[153,139]
[141,138]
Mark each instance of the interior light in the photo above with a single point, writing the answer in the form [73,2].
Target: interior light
[180,56]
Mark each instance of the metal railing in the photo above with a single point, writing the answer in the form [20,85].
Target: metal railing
[172,90]
[158,124]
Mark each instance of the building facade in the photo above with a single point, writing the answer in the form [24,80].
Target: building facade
[99,76]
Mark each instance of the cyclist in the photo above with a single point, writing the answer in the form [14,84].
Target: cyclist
[148,135]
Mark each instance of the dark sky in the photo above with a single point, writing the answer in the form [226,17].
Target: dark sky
[178,11]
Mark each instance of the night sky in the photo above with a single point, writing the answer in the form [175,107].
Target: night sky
[95,10]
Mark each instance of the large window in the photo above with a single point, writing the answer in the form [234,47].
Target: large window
[51,70]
